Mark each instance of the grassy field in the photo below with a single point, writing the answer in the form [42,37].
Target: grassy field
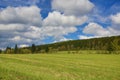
[59,67]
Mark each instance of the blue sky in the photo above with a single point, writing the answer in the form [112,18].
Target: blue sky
[25,22]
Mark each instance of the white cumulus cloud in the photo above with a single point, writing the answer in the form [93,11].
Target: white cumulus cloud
[21,15]
[96,29]
[73,7]
[56,18]
[86,37]
[58,25]
[23,45]
[11,27]
[16,23]
[115,18]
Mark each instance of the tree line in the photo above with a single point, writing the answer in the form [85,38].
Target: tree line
[109,44]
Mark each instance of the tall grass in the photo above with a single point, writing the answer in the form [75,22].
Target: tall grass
[59,66]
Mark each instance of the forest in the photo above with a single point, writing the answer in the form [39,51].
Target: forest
[109,44]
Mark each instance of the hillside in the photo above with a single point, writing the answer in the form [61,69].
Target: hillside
[86,44]
[104,43]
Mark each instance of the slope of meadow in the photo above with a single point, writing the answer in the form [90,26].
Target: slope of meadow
[59,67]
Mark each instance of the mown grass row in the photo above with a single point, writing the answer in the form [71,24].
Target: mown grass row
[59,67]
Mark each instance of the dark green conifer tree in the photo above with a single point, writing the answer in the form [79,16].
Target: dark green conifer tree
[33,48]
[46,49]
[16,49]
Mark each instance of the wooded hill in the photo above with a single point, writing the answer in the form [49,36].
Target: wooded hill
[104,43]
[86,44]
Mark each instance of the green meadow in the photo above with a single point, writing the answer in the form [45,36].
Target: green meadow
[60,66]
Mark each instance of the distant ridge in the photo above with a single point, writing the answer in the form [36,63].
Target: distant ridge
[84,44]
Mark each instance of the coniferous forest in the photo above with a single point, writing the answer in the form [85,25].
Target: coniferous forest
[110,44]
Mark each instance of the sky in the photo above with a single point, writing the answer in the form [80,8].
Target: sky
[27,22]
